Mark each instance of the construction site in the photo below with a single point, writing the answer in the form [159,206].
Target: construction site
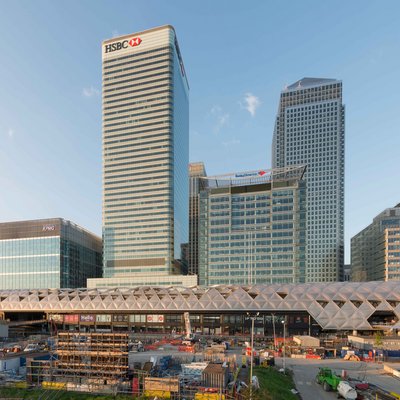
[193,343]
[186,367]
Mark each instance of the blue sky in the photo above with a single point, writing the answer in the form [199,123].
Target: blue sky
[238,57]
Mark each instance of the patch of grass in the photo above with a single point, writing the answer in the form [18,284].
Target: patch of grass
[36,394]
[273,385]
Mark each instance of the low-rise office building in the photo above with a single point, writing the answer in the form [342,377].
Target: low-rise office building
[375,251]
[252,227]
[48,253]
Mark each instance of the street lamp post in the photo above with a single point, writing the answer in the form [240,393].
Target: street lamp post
[273,327]
[284,345]
[252,353]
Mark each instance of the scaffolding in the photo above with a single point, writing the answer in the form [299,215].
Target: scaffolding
[87,362]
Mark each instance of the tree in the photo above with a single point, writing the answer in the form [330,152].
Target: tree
[378,339]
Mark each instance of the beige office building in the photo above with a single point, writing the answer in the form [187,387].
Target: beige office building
[145,158]
[375,251]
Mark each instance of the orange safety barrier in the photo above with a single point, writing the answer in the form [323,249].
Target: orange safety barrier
[187,349]
[313,356]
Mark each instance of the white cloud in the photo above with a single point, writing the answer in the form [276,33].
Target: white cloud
[115,33]
[252,103]
[222,118]
[10,132]
[90,92]
[230,143]
[216,110]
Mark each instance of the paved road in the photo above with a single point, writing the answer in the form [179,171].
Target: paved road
[304,379]
[306,370]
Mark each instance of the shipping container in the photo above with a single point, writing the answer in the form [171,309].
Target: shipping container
[9,364]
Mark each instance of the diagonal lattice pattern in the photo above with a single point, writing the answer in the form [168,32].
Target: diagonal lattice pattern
[339,305]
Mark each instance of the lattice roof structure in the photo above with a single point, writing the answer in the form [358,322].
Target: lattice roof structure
[341,305]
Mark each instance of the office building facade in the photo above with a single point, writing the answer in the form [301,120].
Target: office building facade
[375,251]
[252,228]
[145,155]
[196,171]
[309,130]
[48,253]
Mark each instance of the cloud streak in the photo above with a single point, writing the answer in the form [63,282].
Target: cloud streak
[222,118]
[230,143]
[10,132]
[251,103]
[90,92]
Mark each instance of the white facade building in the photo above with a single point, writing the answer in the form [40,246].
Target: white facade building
[145,156]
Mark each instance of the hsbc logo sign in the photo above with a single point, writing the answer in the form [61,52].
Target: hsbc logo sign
[135,41]
[123,44]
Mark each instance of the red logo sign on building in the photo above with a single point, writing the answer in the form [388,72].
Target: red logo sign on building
[122,45]
[261,173]
[135,41]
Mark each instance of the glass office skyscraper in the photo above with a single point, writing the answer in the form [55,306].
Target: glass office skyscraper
[47,253]
[196,171]
[145,155]
[252,227]
[309,130]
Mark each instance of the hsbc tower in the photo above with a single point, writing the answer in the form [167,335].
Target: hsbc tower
[145,159]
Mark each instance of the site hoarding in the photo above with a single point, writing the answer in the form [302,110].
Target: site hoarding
[161,384]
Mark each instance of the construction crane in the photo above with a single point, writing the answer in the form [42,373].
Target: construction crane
[189,337]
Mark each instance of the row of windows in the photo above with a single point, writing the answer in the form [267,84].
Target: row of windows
[166,172]
[137,56]
[143,97]
[166,79]
[131,118]
[141,157]
[228,259]
[139,77]
[116,179]
[132,112]
[118,73]
[147,102]
[164,117]
[245,273]
[245,249]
